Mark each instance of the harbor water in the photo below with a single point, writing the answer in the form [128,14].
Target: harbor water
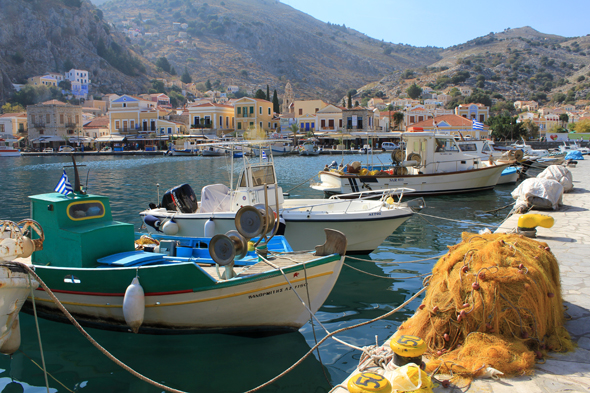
[218,362]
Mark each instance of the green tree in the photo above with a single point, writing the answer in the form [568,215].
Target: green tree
[68,65]
[158,86]
[349,100]
[564,119]
[208,84]
[186,77]
[163,64]
[398,118]
[505,127]
[531,128]
[294,129]
[267,93]
[414,91]
[582,126]
[172,71]
[275,102]
[477,97]
[26,96]
[260,94]
[65,85]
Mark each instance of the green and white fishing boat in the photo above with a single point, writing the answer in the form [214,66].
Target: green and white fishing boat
[90,262]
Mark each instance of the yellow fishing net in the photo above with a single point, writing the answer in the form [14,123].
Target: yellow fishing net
[494,300]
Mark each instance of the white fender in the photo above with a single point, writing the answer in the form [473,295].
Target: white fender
[170,228]
[134,305]
[209,228]
[12,343]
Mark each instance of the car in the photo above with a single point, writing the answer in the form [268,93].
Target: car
[66,149]
[48,150]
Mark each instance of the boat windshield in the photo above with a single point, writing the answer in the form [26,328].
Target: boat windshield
[468,146]
[445,144]
[260,175]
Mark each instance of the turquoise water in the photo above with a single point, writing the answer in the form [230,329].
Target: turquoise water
[226,363]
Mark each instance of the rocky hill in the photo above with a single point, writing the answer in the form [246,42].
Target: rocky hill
[40,36]
[515,64]
[252,43]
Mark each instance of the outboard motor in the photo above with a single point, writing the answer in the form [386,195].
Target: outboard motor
[334,165]
[181,198]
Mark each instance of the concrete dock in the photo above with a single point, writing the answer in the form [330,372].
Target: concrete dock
[569,240]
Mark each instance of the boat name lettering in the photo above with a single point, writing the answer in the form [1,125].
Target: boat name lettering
[374,214]
[275,291]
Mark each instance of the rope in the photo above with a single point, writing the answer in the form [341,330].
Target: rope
[380,261]
[334,333]
[450,219]
[38,334]
[48,373]
[300,184]
[390,278]
[88,337]
[500,208]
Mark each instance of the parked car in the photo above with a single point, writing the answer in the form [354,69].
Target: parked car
[48,150]
[66,149]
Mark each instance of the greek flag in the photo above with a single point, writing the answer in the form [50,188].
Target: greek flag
[263,155]
[477,125]
[64,186]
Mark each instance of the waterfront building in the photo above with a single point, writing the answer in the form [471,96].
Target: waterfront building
[472,111]
[53,122]
[451,124]
[329,118]
[253,114]
[218,118]
[13,126]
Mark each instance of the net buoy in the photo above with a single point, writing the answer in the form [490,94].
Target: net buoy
[134,305]
[368,382]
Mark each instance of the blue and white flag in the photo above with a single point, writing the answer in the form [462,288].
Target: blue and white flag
[64,186]
[263,155]
[477,125]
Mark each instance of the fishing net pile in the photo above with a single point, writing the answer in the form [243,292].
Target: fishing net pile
[495,301]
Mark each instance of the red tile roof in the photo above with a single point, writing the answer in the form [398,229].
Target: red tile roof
[54,102]
[98,122]
[452,120]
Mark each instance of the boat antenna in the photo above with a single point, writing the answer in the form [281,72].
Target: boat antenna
[77,176]
[86,186]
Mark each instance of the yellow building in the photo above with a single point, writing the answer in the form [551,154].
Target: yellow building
[253,114]
[13,126]
[128,114]
[43,80]
[478,112]
[217,117]
[308,107]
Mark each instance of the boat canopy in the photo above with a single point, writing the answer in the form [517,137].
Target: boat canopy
[215,198]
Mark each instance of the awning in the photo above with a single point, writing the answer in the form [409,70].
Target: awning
[111,138]
[81,139]
[47,139]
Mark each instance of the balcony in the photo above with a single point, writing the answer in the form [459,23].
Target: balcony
[70,125]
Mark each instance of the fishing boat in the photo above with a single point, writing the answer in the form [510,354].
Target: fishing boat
[483,149]
[90,262]
[366,223]
[431,164]
[529,152]
[212,151]
[278,148]
[565,148]
[15,282]
[7,151]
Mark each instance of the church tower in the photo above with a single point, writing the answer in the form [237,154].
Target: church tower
[287,99]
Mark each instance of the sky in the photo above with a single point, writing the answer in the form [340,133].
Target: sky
[446,23]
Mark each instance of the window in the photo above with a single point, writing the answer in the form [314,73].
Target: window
[61,118]
[481,118]
[252,110]
[300,112]
[77,119]
[260,110]
[124,105]
[41,132]
[269,124]
[316,110]
[86,210]
[116,124]
[239,126]
[261,125]
[47,118]
[70,132]
[33,119]
[131,123]
[322,123]
[269,110]
[340,123]
[220,121]
[239,110]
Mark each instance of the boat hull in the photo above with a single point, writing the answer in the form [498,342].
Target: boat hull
[364,227]
[178,299]
[14,289]
[425,184]
[10,153]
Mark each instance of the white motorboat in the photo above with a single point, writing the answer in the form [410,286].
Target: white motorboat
[308,149]
[489,156]
[529,152]
[366,223]
[7,151]
[565,148]
[431,164]
[213,152]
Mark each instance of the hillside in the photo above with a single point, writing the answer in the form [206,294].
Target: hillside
[43,36]
[252,43]
[515,64]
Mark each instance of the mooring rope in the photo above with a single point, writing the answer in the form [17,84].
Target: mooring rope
[381,261]
[48,373]
[38,334]
[387,277]
[401,306]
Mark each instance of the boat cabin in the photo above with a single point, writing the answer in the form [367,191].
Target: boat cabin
[250,186]
[79,229]
[436,153]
